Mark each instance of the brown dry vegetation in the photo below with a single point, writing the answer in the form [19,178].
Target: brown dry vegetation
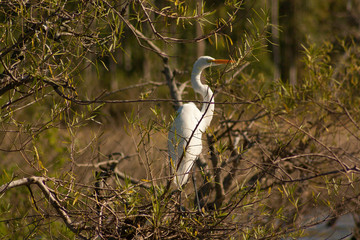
[88,90]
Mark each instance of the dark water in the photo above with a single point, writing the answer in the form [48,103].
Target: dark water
[342,229]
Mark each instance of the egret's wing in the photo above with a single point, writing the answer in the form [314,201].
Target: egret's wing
[185,135]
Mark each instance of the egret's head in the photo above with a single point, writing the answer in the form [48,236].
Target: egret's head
[207,61]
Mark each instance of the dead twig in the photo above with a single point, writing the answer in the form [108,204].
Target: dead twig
[49,194]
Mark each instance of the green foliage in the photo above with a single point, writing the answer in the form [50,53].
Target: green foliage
[85,109]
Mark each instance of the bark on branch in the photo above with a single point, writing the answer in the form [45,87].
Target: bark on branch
[50,195]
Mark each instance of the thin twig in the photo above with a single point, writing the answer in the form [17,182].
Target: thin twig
[50,195]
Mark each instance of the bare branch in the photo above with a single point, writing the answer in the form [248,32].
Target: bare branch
[50,195]
[124,177]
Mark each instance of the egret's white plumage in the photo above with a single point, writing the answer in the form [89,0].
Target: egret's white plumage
[190,123]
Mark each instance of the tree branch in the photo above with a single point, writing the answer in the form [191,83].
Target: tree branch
[50,195]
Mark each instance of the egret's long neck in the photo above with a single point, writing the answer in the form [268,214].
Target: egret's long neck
[208,106]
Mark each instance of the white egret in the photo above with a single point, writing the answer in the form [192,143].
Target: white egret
[189,124]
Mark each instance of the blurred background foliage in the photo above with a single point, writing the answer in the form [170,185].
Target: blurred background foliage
[81,83]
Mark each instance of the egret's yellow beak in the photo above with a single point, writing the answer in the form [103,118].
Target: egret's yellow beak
[221,61]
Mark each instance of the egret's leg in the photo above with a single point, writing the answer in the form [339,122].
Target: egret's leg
[180,207]
[196,191]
